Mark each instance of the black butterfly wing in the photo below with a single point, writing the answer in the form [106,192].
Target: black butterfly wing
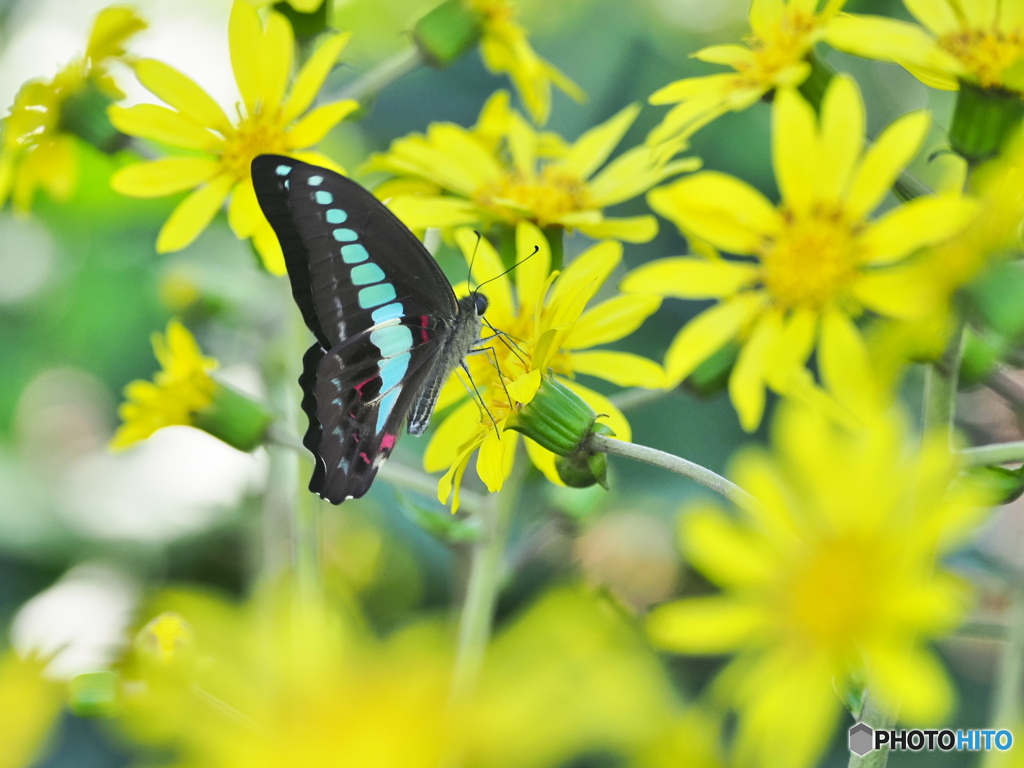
[357,402]
[348,257]
[376,301]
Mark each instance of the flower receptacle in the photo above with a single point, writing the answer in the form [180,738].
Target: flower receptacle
[233,418]
[983,120]
[447,32]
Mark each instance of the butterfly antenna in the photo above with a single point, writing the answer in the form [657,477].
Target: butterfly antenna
[472,259]
[532,254]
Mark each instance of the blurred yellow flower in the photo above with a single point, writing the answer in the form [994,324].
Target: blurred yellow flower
[272,683]
[176,393]
[504,171]
[819,262]
[29,707]
[784,32]
[547,328]
[504,47]
[37,146]
[831,580]
[269,122]
[977,42]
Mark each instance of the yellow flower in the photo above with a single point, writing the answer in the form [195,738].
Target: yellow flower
[831,579]
[30,706]
[784,32]
[818,261]
[547,329]
[38,149]
[176,393]
[504,172]
[977,42]
[262,58]
[505,48]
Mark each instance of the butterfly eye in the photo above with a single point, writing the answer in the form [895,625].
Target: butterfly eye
[481,303]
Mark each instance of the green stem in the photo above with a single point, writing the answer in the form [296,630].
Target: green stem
[878,720]
[377,79]
[483,586]
[636,397]
[680,466]
[997,453]
[940,385]
[403,476]
[1006,706]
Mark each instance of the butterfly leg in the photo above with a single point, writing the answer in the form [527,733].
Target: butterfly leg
[507,339]
[480,398]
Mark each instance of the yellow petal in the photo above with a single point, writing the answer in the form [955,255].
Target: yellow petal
[747,381]
[624,369]
[726,552]
[592,149]
[112,27]
[708,332]
[842,136]
[151,121]
[450,483]
[766,16]
[182,93]
[245,34]
[590,268]
[496,457]
[705,625]
[844,363]
[733,56]
[794,345]
[451,435]
[487,264]
[907,292]
[915,224]
[875,37]
[912,680]
[687,277]
[163,177]
[420,212]
[634,172]
[725,211]
[611,320]
[193,214]
[244,213]
[277,52]
[313,74]
[265,241]
[884,160]
[313,127]
[534,267]
[316,158]
[634,229]
[796,151]
[937,15]
[544,460]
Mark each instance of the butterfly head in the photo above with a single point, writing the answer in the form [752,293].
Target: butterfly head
[475,303]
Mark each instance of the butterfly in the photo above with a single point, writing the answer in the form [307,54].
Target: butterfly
[388,327]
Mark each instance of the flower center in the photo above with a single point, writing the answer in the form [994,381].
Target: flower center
[811,262]
[786,44]
[986,53]
[831,598]
[543,199]
[260,134]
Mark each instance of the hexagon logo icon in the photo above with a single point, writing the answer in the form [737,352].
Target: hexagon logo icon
[862,739]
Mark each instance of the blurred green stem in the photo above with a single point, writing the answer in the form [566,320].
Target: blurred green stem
[636,397]
[380,77]
[1006,699]
[878,720]
[672,463]
[997,453]
[940,385]
[483,586]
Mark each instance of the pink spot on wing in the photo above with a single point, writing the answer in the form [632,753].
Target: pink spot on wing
[364,457]
[359,387]
[387,442]
[424,320]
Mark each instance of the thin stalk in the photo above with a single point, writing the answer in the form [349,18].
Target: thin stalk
[940,385]
[672,463]
[997,453]
[879,720]
[1006,701]
[377,79]
[636,397]
[482,589]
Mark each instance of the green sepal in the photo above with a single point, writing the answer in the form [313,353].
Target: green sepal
[712,376]
[306,26]
[94,694]
[447,528]
[84,113]
[1003,485]
[447,32]
[234,418]
[997,298]
[556,419]
[583,468]
[981,356]
[983,119]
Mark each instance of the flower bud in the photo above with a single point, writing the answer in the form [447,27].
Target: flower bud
[982,121]
[233,418]
[583,468]
[556,419]
[447,32]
